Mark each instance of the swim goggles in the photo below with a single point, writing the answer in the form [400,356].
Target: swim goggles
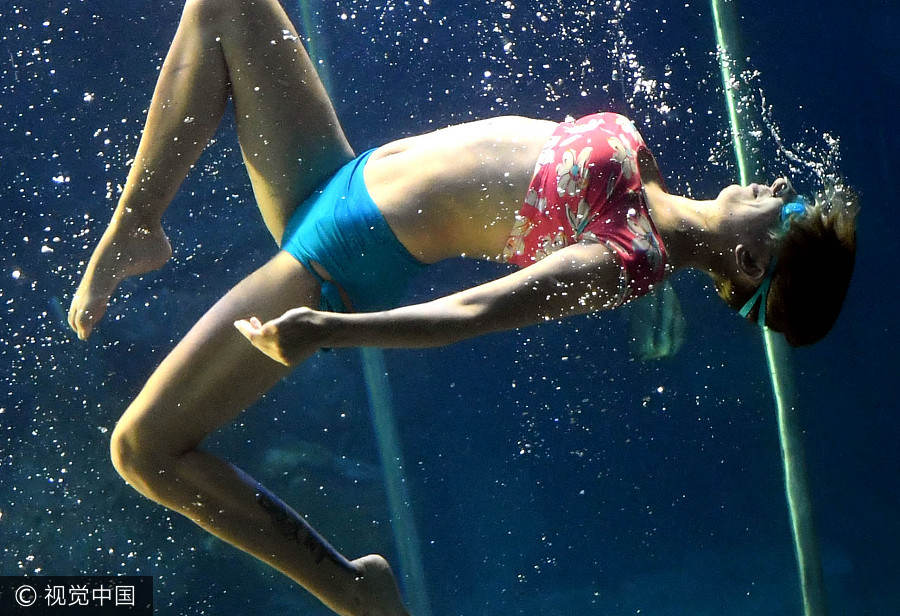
[797,207]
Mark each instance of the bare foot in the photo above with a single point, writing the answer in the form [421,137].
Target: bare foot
[378,594]
[127,248]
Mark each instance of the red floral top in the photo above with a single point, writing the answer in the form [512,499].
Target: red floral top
[587,188]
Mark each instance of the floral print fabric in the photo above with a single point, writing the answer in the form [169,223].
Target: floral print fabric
[587,188]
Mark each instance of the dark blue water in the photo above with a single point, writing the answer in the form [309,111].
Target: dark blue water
[551,471]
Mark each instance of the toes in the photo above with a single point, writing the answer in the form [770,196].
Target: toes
[75,319]
[83,324]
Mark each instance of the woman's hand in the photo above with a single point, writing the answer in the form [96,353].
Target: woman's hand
[290,338]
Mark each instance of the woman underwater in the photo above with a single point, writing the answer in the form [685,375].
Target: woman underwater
[580,206]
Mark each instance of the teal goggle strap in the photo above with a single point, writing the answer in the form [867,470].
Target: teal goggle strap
[761,292]
[788,211]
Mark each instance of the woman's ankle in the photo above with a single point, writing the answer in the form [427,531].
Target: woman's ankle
[135,217]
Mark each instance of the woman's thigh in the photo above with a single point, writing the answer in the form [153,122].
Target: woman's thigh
[213,373]
[289,132]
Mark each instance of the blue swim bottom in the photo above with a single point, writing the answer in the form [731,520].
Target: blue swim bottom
[339,227]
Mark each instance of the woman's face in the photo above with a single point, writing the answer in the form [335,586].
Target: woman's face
[755,209]
[757,196]
[748,215]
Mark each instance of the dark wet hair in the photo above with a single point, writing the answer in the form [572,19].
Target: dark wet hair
[815,263]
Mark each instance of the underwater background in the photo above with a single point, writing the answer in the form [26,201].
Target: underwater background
[554,470]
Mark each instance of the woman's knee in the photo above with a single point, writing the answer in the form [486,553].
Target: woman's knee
[209,11]
[140,455]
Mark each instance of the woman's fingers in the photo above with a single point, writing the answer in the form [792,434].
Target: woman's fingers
[263,339]
[251,328]
[286,339]
[246,328]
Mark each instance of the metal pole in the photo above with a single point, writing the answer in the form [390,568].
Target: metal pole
[402,518]
[812,582]
[403,523]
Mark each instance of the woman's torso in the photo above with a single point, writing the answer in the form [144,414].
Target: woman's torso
[456,191]
[515,189]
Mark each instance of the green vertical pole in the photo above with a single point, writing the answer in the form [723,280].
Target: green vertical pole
[402,518]
[381,408]
[812,584]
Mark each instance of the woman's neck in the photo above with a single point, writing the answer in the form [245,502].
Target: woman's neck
[689,228]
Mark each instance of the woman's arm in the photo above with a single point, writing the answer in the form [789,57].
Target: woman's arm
[577,279]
